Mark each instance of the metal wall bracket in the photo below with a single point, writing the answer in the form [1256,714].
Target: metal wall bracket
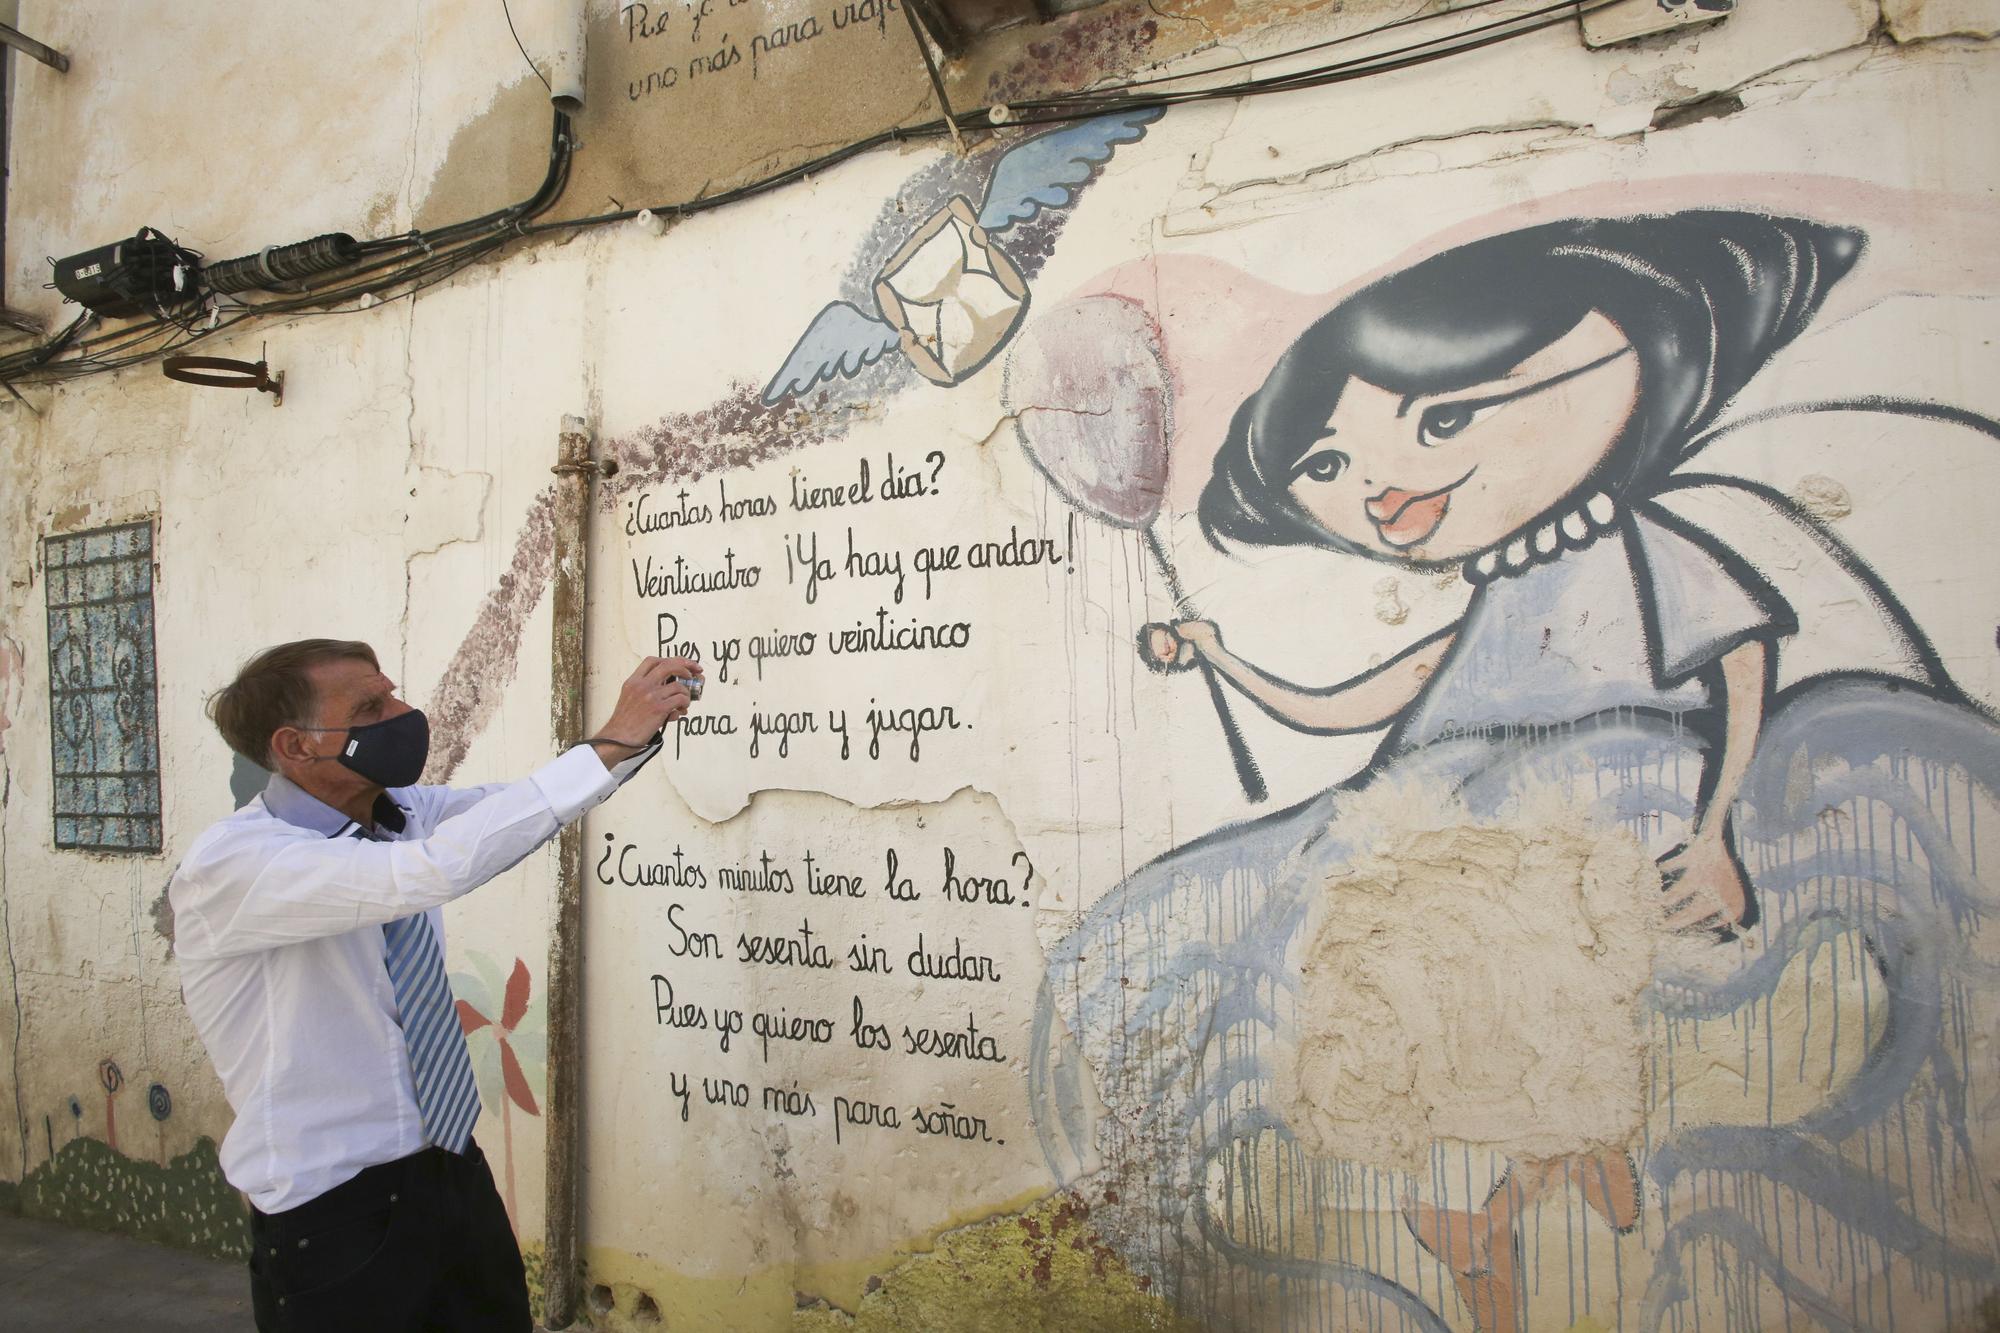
[33,49]
[223,372]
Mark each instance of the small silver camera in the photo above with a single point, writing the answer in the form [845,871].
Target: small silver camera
[693,684]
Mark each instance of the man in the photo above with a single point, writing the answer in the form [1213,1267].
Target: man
[311,950]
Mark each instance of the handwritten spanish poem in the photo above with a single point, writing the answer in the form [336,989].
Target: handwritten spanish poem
[864,973]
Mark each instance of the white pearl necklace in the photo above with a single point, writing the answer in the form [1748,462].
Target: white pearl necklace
[1573,531]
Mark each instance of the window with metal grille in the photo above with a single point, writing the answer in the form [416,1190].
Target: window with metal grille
[103,688]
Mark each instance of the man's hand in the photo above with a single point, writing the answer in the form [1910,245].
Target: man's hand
[651,697]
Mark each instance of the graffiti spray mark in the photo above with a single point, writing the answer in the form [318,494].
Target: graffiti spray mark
[112,1078]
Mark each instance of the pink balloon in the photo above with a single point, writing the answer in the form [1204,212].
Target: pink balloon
[1094,407]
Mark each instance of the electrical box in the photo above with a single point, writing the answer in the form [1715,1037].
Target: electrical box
[133,277]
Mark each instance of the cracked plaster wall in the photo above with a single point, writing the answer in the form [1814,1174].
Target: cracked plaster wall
[396,496]
[319,517]
[306,120]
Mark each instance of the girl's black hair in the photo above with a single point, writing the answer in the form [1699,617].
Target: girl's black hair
[1705,297]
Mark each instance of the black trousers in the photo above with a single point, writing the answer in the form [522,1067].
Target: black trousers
[410,1246]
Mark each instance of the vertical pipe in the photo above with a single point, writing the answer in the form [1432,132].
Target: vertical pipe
[568,26]
[564,1124]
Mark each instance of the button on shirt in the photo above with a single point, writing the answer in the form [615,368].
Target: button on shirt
[278,914]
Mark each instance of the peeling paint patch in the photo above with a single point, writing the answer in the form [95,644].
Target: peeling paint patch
[1390,608]
[1823,497]
[1913,20]
[163,914]
[1044,1268]
[11,661]
[1538,919]
[447,508]
[1693,113]
[1084,50]
[494,158]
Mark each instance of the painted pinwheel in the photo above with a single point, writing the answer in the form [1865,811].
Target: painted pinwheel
[951,296]
[506,1035]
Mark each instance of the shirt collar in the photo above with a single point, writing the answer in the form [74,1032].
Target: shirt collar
[296,806]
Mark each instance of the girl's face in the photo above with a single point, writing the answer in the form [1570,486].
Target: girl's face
[1440,477]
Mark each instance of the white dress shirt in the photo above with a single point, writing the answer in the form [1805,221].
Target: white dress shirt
[278,915]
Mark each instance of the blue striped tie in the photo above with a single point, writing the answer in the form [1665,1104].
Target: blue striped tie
[440,1070]
[447,1096]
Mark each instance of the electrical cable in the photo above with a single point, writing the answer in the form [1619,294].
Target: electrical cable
[524,50]
[389,265]
[442,258]
[1081,107]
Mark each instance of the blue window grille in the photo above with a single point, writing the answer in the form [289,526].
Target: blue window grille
[104,688]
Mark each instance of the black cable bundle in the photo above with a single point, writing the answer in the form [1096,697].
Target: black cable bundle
[281,267]
[396,266]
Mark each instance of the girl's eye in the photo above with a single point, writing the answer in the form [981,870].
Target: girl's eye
[1442,422]
[1324,465]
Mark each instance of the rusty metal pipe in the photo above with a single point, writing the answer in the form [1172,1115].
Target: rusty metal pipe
[561,1276]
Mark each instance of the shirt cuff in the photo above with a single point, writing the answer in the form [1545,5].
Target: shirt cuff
[621,772]
[573,782]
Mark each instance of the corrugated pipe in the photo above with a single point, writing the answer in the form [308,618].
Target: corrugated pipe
[280,267]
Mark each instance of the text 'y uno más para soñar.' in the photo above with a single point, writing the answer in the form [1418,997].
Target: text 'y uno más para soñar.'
[690,997]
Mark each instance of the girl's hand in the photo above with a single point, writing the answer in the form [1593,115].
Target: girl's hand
[1704,885]
[1175,647]
[1202,634]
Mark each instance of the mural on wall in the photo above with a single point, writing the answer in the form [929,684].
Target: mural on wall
[506,1034]
[183,1201]
[1027,190]
[1636,976]
[1673,696]
[950,295]
[112,1078]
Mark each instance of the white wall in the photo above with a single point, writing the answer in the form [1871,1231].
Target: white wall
[1150,945]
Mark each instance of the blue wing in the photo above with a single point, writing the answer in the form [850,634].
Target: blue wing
[1044,171]
[840,341]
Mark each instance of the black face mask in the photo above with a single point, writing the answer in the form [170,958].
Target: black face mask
[391,753]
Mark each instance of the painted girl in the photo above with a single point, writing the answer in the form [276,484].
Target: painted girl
[1515,408]
[1521,409]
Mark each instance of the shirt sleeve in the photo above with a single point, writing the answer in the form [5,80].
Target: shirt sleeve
[1699,598]
[623,770]
[442,803]
[254,884]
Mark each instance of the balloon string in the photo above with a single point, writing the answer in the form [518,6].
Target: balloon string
[1247,772]
[1167,572]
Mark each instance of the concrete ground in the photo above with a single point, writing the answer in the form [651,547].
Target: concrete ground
[57,1278]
